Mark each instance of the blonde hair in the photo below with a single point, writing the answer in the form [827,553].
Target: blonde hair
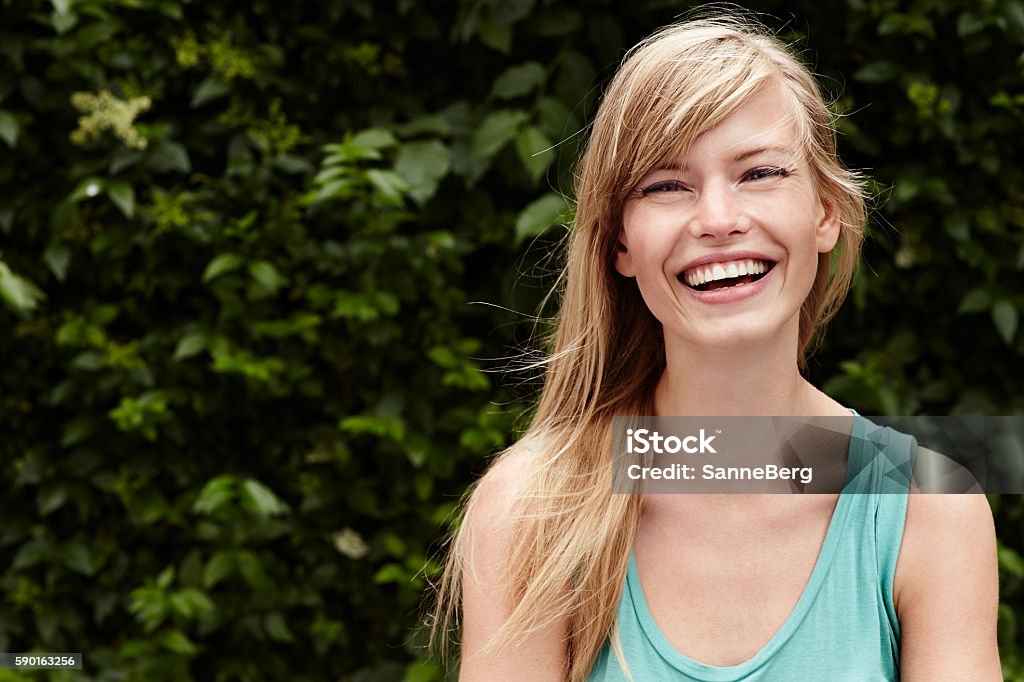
[570,531]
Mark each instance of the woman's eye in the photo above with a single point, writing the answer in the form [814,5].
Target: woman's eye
[663,187]
[766,172]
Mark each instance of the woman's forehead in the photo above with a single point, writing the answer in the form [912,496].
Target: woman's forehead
[768,123]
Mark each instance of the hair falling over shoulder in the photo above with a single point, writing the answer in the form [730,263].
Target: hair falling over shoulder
[571,537]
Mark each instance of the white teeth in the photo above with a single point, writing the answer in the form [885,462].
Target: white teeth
[702,274]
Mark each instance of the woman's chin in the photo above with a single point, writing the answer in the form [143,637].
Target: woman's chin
[733,336]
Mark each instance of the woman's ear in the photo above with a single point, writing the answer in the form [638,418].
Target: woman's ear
[828,227]
[623,258]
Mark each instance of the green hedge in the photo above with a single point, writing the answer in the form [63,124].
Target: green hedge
[240,250]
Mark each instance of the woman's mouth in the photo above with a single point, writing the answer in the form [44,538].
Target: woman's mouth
[733,273]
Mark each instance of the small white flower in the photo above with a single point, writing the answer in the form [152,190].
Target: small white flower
[350,543]
[905,257]
[92,189]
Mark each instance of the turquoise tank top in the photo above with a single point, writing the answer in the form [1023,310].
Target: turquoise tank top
[844,626]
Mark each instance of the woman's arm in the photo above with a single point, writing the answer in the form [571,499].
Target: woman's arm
[486,601]
[946,590]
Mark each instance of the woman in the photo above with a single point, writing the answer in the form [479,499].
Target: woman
[716,232]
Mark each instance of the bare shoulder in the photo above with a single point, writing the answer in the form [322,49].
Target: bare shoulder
[487,599]
[490,513]
[946,589]
[947,532]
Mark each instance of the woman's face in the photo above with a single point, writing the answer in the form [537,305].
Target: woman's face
[724,242]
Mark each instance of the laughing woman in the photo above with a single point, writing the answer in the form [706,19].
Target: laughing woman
[716,232]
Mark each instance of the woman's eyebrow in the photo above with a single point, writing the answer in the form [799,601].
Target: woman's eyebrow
[743,156]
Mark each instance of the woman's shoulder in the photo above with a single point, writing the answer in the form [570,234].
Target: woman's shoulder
[945,534]
[488,593]
[494,508]
[503,482]
[947,522]
[946,586]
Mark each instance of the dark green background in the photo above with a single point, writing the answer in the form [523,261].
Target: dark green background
[245,375]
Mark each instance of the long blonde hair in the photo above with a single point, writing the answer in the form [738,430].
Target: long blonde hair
[571,535]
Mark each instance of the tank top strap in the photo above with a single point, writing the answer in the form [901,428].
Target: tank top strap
[881,459]
[880,472]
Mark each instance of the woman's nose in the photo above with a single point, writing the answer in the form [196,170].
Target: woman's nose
[718,213]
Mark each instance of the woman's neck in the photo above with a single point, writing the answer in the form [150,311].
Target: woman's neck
[753,381]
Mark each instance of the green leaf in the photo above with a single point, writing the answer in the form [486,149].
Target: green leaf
[220,566]
[30,554]
[79,558]
[209,89]
[373,138]
[1005,315]
[877,72]
[169,156]
[423,164]
[967,24]
[431,124]
[122,158]
[63,22]
[180,605]
[1011,562]
[535,151]
[149,605]
[496,130]
[215,494]
[511,11]
[261,500]
[225,262]
[190,603]
[383,425]
[78,430]
[444,356]
[189,345]
[388,183]
[9,128]
[495,35]
[518,80]
[251,568]
[57,257]
[165,578]
[176,641]
[539,216]
[958,227]
[423,671]
[276,628]
[364,306]
[267,276]
[123,195]
[19,293]
[391,573]
[975,301]
[51,498]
